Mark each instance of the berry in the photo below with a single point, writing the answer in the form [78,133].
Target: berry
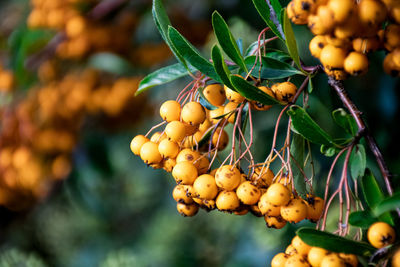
[301,247]
[175,131]
[276,222]
[193,113]
[202,164]
[284,91]
[227,201]
[205,187]
[356,63]
[184,173]
[396,259]
[349,259]
[149,153]
[342,9]
[316,255]
[366,45]
[168,149]
[296,261]
[187,210]
[279,260]
[190,129]
[278,195]
[392,37]
[137,143]
[266,208]
[215,94]
[389,66]
[381,234]
[187,155]
[157,137]
[215,113]
[371,12]
[220,138]
[179,195]
[260,106]
[247,193]
[332,260]
[170,111]
[227,177]
[315,207]
[332,57]
[295,211]
[229,110]
[168,164]
[262,177]
[233,96]
[290,250]
[316,45]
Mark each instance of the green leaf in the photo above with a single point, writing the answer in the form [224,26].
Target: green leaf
[220,66]
[388,204]
[345,120]
[358,161]
[162,22]
[304,125]
[290,40]
[310,86]
[371,190]
[265,13]
[362,219]
[328,150]
[111,63]
[191,54]
[272,53]
[251,92]
[226,40]
[373,194]
[297,160]
[163,76]
[271,68]
[243,121]
[333,242]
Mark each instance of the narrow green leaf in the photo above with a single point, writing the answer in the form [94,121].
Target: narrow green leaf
[362,219]
[265,13]
[251,92]
[162,22]
[304,125]
[271,68]
[345,120]
[111,63]
[205,139]
[296,162]
[239,43]
[373,194]
[310,86]
[226,40]
[220,66]
[162,76]
[358,161]
[371,190]
[290,41]
[191,54]
[388,204]
[333,242]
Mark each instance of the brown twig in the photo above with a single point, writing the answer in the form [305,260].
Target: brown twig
[363,131]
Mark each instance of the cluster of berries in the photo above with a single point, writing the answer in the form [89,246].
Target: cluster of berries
[227,187]
[7,80]
[347,30]
[39,133]
[81,33]
[299,254]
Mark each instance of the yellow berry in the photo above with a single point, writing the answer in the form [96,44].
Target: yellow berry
[149,153]
[205,187]
[381,234]
[175,131]
[332,260]
[227,177]
[247,193]
[215,94]
[187,210]
[227,201]
[332,57]
[316,45]
[295,211]
[137,143]
[230,112]
[316,255]
[170,111]
[193,113]
[278,194]
[179,194]
[168,149]
[233,96]
[279,260]
[284,91]
[184,173]
[301,247]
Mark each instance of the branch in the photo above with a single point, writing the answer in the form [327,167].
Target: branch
[363,131]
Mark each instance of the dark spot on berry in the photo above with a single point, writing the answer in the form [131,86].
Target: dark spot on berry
[305,6]
[321,45]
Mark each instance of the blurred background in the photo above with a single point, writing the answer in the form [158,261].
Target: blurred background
[71,191]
